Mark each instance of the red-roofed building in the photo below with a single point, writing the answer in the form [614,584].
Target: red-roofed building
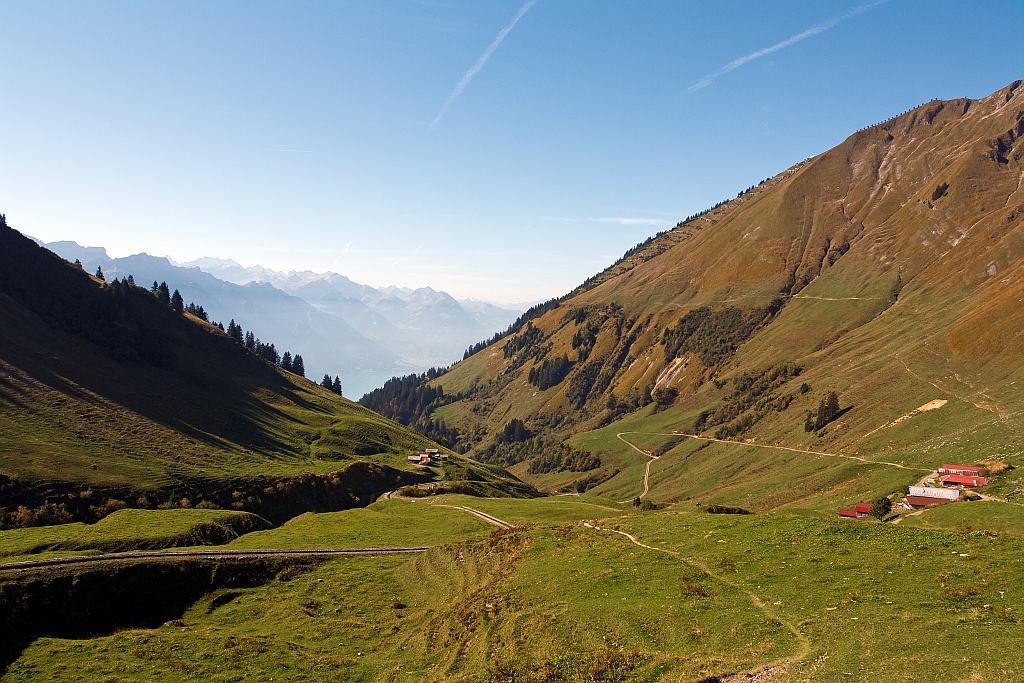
[914,502]
[959,469]
[862,509]
[963,480]
[848,514]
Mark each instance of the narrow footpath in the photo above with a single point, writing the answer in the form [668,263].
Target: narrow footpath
[760,673]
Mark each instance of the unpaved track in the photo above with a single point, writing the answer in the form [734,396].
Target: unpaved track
[760,673]
[647,471]
[201,554]
[482,515]
[782,448]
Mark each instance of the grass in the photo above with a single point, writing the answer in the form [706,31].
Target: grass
[128,530]
[556,600]
[988,516]
[388,523]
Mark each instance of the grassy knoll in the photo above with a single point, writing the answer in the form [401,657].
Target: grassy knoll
[129,530]
[983,516]
[387,523]
[554,510]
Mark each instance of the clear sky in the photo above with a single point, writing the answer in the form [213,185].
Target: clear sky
[404,143]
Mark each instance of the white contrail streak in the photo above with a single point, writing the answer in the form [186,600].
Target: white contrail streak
[480,62]
[813,31]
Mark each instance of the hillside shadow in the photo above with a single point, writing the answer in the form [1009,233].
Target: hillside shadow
[94,602]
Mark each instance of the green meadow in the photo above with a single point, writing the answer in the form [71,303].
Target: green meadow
[128,530]
[568,596]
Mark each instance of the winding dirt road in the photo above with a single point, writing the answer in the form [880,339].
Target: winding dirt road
[482,515]
[647,471]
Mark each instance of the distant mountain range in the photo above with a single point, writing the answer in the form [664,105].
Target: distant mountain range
[340,327]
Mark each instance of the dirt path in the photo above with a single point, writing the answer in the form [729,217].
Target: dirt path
[760,673]
[201,554]
[841,298]
[647,471]
[784,448]
[482,515]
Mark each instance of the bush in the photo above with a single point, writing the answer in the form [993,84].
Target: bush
[726,510]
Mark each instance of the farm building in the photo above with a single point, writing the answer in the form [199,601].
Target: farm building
[862,509]
[932,492]
[917,502]
[425,457]
[848,514]
[967,470]
[963,480]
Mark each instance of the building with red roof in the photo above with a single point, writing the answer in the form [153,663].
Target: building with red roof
[923,501]
[862,509]
[963,480]
[848,514]
[968,470]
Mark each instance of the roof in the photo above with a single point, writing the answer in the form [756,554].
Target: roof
[933,492]
[924,501]
[863,508]
[964,480]
[960,468]
[847,513]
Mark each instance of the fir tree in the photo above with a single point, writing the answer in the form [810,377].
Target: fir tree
[297,366]
[326,382]
[78,264]
[286,361]
[828,410]
[163,294]
[131,280]
[250,341]
[155,288]
[235,331]
[99,274]
[177,303]
[337,385]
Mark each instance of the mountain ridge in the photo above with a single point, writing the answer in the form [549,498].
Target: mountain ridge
[339,326]
[867,267]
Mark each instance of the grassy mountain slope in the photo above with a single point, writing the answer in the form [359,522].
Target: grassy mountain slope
[106,392]
[887,269]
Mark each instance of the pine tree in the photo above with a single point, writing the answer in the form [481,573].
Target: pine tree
[250,341]
[326,382]
[286,361]
[155,288]
[99,274]
[131,280]
[828,410]
[163,294]
[235,331]
[297,366]
[337,385]
[177,303]
[78,264]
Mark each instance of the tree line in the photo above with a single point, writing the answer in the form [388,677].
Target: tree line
[267,352]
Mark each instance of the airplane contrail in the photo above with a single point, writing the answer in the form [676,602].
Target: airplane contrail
[480,62]
[813,31]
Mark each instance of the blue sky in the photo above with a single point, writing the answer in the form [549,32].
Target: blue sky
[302,135]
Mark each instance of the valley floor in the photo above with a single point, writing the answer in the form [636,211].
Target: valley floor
[582,589]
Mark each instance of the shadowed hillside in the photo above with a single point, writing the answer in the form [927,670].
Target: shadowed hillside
[109,397]
[886,270]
